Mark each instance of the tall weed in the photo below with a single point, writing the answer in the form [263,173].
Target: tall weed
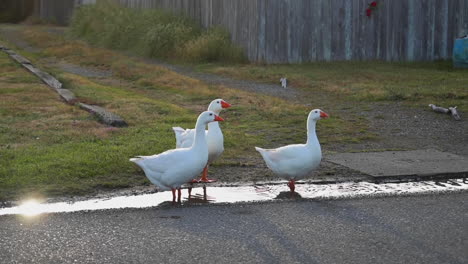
[212,45]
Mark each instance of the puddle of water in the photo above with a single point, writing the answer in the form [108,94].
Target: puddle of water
[239,194]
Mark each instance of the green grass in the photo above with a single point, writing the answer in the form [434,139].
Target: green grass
[50,148]
[421,83]
[152,32]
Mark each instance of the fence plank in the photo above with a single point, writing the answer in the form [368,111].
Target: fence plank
[288,31]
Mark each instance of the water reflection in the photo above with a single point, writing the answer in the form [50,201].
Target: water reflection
[238,194]
[199,198]
[288,195]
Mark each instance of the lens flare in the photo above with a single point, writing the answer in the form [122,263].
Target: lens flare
[29,208]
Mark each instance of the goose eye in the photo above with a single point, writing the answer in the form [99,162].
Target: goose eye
[316,111]
[217,102]
[211,114]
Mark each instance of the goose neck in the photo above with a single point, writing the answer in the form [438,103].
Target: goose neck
[213,125]
[200,139]
[311,135]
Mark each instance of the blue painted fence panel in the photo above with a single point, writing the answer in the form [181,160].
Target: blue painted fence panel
[460,53]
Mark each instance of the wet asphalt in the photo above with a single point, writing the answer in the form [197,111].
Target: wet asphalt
[415,229]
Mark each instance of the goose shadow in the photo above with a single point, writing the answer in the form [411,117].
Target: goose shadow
[288,195]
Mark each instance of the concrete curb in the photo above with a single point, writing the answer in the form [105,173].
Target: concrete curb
[104,116]
[68,96]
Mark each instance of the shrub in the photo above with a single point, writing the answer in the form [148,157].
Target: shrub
[212,45]
[152,32]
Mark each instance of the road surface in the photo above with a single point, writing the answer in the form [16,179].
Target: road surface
[415,229]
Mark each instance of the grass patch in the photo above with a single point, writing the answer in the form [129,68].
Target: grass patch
[211,45]
[421,83]
[55,148]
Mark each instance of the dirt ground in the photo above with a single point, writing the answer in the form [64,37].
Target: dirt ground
[397,126]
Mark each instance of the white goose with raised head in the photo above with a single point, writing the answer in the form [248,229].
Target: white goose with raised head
[214,137]
[294,162]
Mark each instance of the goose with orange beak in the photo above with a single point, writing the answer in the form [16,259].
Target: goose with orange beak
[295,162]
[214,137]
[173,168]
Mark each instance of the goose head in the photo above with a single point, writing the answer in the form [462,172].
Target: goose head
[314,116]
[217,105]
[317,114]
[207,117]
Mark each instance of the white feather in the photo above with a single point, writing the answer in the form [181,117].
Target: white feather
[294,162]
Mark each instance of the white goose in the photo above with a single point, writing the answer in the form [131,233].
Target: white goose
[172,168]
[214,137]
[294,162]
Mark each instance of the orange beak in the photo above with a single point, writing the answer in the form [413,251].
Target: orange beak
[225,104]
[323,114]
[217,118]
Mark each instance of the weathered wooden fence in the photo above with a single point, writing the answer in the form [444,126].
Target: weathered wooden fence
[57,11]
[290,31]
[13,11]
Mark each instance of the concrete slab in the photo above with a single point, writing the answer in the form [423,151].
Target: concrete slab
[105,116]
[403,163]
[67,95]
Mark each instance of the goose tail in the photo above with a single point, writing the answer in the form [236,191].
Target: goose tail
[262,152]
[259,149]
[265,153]
[134,160]
[178,131]
[137,159]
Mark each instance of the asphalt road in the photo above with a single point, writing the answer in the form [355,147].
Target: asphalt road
[419,229]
